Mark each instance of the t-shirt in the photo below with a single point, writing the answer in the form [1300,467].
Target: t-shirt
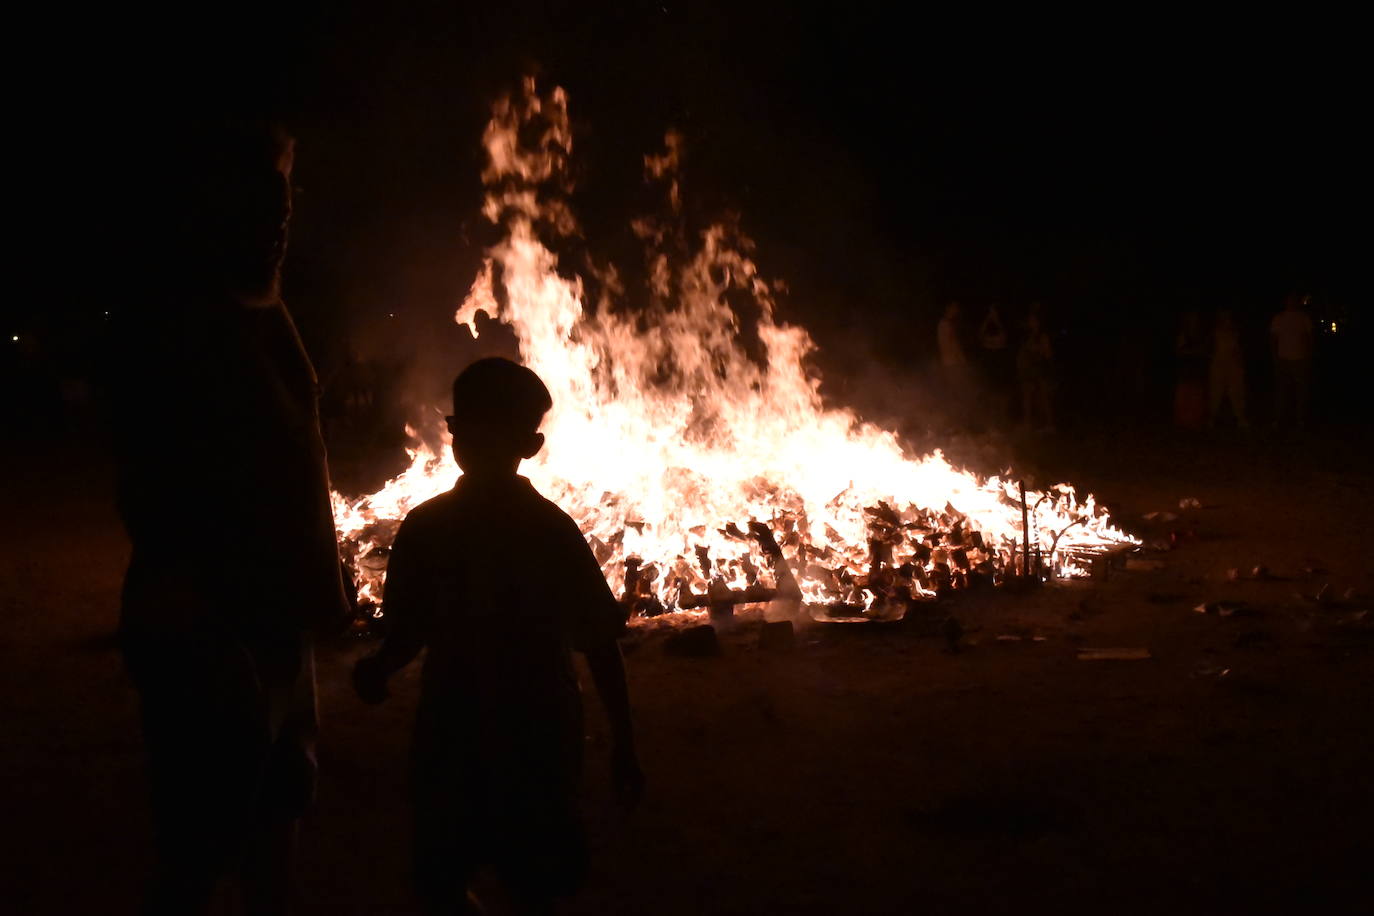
[1292,333]
[499,585]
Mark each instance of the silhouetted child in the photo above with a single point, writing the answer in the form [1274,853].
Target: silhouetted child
[499,584]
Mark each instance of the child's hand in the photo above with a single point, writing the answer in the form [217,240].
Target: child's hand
[369,681]
[627,779]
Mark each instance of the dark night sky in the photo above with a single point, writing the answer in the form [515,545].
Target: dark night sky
[884,162]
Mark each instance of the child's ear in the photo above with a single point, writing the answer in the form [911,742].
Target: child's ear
[533,445]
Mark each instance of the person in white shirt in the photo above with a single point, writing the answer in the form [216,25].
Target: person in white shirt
[1291,336]
[1226,373]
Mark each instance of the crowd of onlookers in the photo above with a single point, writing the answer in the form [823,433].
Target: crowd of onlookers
[990,377]
[993,372]
[1210,364]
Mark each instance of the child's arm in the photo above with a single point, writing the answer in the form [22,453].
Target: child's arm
[407,611]
[595,620]
[608,674]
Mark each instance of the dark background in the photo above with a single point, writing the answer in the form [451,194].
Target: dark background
[885,159]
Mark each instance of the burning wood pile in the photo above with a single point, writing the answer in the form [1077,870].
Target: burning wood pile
[692,445]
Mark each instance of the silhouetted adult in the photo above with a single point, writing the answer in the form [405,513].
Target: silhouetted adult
[955,371]
[1290,334]
[1035,371]
[999,366]
[1226,372]
[223,489]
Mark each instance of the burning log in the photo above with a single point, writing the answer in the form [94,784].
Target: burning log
[754,594]
[787,582]
[757,425]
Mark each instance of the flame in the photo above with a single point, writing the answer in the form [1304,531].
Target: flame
[691,445]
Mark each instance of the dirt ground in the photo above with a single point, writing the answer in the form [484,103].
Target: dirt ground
[868,770]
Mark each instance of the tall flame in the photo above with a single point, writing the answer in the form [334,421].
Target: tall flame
[676,427]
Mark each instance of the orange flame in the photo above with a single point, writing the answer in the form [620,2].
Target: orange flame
[667,439]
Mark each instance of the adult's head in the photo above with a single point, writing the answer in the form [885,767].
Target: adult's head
[497,408]
[225,201]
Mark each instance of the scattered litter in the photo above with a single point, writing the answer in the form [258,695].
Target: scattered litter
[1258,573]
[1161,516]
[1102,655]
[1144,563]
[1190,503]
[1226,609]
[1325,597]
[1211,672]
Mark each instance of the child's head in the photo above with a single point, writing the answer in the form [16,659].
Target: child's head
[497,408]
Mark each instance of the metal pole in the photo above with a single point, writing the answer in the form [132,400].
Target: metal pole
[1025,532]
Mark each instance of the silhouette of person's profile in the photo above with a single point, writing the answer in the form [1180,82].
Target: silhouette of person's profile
[224,492]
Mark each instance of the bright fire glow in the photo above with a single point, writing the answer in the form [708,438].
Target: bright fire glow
[670,434]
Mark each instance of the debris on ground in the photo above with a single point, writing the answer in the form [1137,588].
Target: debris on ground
[1226,609]
[1328,598]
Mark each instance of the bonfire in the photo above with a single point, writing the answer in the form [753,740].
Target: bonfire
[707,473]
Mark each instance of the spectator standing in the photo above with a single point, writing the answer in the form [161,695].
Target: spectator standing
[955,372]
[1226,374]
[998,365]
[1035,370]
[1290,334]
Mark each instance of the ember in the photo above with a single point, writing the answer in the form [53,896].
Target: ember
[704,473]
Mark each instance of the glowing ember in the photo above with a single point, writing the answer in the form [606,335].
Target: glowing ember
[701,469]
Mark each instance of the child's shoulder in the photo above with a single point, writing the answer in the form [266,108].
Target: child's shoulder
[432,511]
